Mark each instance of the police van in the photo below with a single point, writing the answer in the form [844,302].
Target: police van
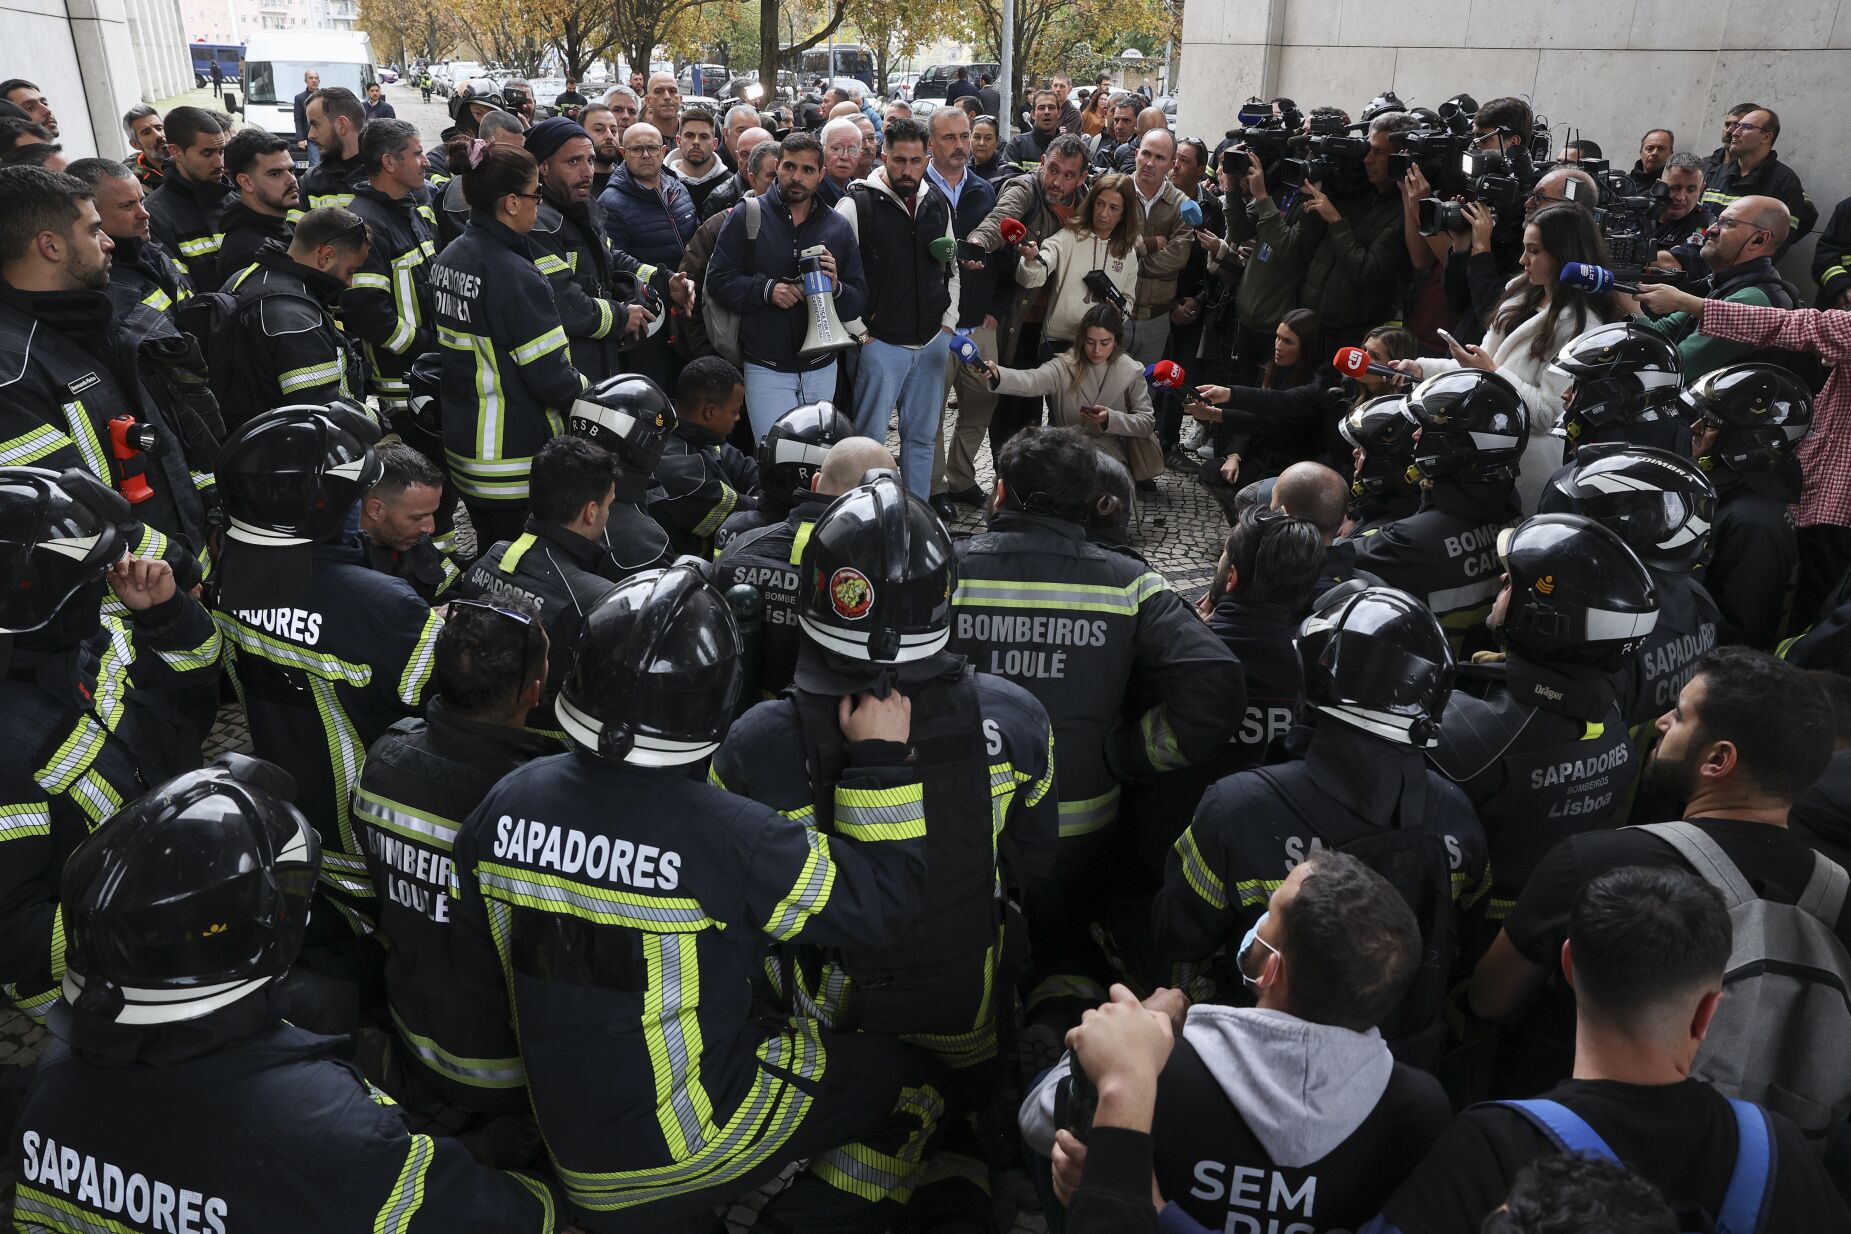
[275,62]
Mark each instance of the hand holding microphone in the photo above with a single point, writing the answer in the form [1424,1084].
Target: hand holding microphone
[1165,375]
[1354,362]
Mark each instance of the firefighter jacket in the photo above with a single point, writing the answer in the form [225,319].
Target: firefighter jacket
[572,250]
[141,272]
[151,1148]
[321,683]
[1446,554]
[330,182]
[985,756]
[87,725]
[1543,754]
[293,351]
[429,567]
[420,782]
[69,363]
[1077,626]
[508,381]
[700,480]
[247,231]
[625,942]
[767,559]
[185,216]
[388,307]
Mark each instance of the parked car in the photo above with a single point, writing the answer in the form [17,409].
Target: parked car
[933,83]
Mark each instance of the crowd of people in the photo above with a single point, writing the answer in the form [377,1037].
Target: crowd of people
[651,800]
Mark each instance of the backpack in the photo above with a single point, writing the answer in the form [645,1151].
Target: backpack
[1751,1182]
[211,318]
[1418,866]
[1782,1035]
[723,323]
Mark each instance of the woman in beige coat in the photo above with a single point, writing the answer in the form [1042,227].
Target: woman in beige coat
[1102,238]
[1096,388]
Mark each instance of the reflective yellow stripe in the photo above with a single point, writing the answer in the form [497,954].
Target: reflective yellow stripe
[544,345]
[873,814]
[517,549]
[418,665]
[490,1073]
[408,1192]
[1200,876]
[672,1034]
[1065,597]
[1078,818]
[721,509]
[296,380]
[32,445]
[808,894]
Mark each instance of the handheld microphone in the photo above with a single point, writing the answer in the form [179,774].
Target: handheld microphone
[943,249]
[1191,210]
[1592,279]
[966,350]
[1354,362]
[1165,375]
[1014,231]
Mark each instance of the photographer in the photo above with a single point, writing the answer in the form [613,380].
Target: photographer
[1684,214]
[1280,238]
[1484,256]
[1739,249]
[1354,278]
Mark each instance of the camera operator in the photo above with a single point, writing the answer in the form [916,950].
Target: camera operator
[1354,278]
[1484,256]
[1270,232]
[1685,216]
[1739,249]
[1654,156]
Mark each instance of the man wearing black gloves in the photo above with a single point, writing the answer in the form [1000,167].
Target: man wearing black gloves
[1377,673]
[420,781]
[1663,506]
[174,1055]
[1538,742]
[625,939]
[1081,628]
[1747,422]
[1473,426]
[88,700]
[875,606]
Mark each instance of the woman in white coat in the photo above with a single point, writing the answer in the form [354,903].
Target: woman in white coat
[1101,238]
[1536,317]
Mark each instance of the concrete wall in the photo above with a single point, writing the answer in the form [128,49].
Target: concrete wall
[1612,68]
[95,59]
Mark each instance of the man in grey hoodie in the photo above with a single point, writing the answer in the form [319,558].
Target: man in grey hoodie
[1293,1106]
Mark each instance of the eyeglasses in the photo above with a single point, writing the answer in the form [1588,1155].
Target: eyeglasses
[529,196]
[642,150]
[1739,125]
[483,606]
[1725,224]
[854,149]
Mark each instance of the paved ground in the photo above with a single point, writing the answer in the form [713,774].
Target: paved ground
[1179,530]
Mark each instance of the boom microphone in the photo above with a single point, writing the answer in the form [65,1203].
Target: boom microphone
[1354,362]
[1165,375]
[1592,279]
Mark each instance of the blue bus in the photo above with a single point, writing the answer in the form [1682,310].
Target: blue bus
[833,60]
[229,55]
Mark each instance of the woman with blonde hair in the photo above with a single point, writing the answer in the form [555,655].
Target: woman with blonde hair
[1100,240]
[1096,388]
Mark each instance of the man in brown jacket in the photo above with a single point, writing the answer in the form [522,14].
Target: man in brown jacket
[1163,248]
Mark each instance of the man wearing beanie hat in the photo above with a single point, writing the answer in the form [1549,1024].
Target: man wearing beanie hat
[571,248]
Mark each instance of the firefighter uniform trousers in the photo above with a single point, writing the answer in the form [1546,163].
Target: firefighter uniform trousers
[624,910]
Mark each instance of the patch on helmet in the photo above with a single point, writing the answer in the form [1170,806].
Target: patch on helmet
[850,593]
[1545,585]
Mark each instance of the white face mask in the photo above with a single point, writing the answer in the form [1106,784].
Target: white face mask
[1247,941]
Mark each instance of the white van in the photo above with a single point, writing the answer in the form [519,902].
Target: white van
[275,61]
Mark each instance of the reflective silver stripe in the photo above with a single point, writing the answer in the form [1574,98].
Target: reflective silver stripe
[476,1072]
[1453,599]
[440,832]
[1000,593]
[631,908]
[408,1194]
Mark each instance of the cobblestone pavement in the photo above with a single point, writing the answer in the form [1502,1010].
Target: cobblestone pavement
[1179,530]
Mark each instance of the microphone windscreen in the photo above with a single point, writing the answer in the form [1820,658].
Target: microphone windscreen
[1014,232]
[965,350]
[1586,277]
[1165,374]
[1351,361]
[1191,211]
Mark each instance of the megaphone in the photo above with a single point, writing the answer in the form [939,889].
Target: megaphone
[1191,211]
[943,249]
[966,350]
[1165,375]
[1014,231]
[824,330]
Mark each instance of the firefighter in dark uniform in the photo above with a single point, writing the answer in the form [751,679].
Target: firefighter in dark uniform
[767,559]
[291,349]
[388,308]
[1080,626]
[1625,379]
[1472,429]
[174,1059]
[420,782]
[591,281]
[326,653]
[1747,421]
[875,608]
[1381,438]
[625,939]
[702,478]
[558,563]
[1663,506]
[87,702]
[1538,742]
[1377,672]
[398,523]
[790,455]
[631,417]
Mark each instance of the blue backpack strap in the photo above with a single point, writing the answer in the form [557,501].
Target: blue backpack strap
[1562,1125]
[1751,1184]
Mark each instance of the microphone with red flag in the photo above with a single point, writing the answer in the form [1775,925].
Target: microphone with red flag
[1354,362]
[1165,375]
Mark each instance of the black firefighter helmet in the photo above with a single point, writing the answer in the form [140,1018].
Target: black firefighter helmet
[877,576]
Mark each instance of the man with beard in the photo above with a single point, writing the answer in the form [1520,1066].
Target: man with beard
[262,167]
[148,141]
[387,308]
[1749,734]
[571,249]
[694,158]
[140,271]
[185,211]
[729,191]
[601,125]
[335,117]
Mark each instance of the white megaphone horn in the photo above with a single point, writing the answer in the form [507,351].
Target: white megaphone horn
[823,331]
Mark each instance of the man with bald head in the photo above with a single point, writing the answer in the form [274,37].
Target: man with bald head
[733,191]
[1559,184]
[763,557]
[1321,497]
[663,105]
[1739,248]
